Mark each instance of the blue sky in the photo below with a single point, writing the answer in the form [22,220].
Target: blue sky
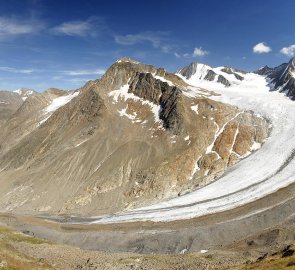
[48,43]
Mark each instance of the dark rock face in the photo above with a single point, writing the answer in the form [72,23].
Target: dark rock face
[266,70]
[189,71]
[223,80]
[210,76]
[145,86]
[238,77]
[229,70]
[172,110]
[282,77]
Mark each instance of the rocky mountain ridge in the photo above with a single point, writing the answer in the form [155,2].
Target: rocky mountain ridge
[226,76]
[281,78]
[136,136]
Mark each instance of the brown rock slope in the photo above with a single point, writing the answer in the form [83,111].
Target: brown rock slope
[136,136]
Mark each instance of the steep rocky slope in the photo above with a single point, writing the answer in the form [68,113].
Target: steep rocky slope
[134,137]
[282,78]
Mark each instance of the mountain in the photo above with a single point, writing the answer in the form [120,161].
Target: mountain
[136,136]
[25,92]
[10,101]
[281,78]
[198,72]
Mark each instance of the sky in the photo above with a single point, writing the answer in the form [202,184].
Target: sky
[63,44]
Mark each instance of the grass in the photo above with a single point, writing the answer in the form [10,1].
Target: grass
[11,259]
[276,262]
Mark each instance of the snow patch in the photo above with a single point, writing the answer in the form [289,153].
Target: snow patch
[255,146]
[56,104]
[195,108]
[123,94]
[59,102]
[163,80]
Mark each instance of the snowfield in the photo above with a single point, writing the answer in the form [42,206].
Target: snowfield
[56,104]
[265,171]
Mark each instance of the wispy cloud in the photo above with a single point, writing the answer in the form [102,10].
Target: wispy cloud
[12,27]
[16,70]
[183,55]
[80,28]
[200,52]
[261,48]
[81,72]
[289,51]
[158,40]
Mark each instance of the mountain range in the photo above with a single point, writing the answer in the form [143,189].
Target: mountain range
[138,135]
[280,78]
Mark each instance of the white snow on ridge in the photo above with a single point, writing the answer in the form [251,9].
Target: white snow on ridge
[163,79]
[59,102]
[198,78]
[123,94]
[262,173]
[55,104]
[25,93]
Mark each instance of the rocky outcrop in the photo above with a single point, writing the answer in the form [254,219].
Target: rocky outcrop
[210,76]
[188,71]
[172,110]
[229,70]
[223,80]
[282,78]
[145,86]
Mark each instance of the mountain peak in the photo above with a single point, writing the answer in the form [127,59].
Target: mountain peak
[25,92]
[126,59]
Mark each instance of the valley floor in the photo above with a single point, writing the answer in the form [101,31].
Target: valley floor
[21,252]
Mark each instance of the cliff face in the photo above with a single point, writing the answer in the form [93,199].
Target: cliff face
[282,78]
[133,137]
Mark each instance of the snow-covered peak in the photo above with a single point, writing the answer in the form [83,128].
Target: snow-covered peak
[197,72]
[25,92]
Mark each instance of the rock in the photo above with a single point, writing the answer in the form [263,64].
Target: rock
[223,80]
[281,77]
[287,252]
[210,76]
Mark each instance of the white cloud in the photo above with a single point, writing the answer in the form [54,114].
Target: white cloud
[16,70]
[177,55]
[200,52]
[74,28]
[10,27]
[261,48]
[183,55]
[81,72]
[156,39]
[289,51]
[81,28]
